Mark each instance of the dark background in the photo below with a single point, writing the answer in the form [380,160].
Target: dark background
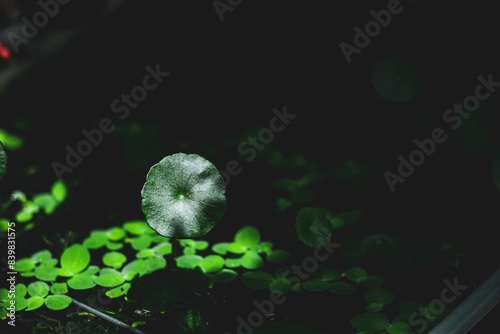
[226,77]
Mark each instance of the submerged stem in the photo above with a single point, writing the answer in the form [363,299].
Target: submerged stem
[106,317]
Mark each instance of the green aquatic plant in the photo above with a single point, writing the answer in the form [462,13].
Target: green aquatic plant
[45,202]
[131,261]
[183,196]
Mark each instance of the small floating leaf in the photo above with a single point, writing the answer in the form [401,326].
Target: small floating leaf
[114,259]
[379,295]
[75,258]
[212,263]
[109,278]
[189,261]
[247,236]
[38,289]
[370,322]
[225,275]
[56,302]
[251,260]
[59,288]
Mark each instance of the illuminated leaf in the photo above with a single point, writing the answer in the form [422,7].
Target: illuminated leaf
[183,196]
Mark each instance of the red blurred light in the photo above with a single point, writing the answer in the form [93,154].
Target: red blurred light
[4,52]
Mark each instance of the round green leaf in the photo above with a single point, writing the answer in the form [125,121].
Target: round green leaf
[115,233]
[46,273]
[379,295]
[96,240]
[109,278]
[75,258]
[141,242]
[251,260]
[212,263]
[355,274]
[3,161]
[59,289]
[331,275]
[163,248]
[201,245]
[263,247]
[257,280]
[236,248]
[21,303]
[34,303]
[225,275]
[118,291]
[114,259]
[23,216]
[232,263]
[25,264]
[277,256]
[374,307]
[342,289]
[312,227]
[113,245]
[370,322]
[188,261]
[4,295]
[136,267]
[38,289]
[315,285]
[137,227]
[247,236]
[42,256]
[11,141]
[56,303]
[155,262]
[145,253]
[81,282]
[189,251]
[183,196]
[58,191]
[21,290]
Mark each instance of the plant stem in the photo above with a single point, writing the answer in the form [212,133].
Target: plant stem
[106,317]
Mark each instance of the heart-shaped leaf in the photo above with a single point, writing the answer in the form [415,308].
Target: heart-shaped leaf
[183,196]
